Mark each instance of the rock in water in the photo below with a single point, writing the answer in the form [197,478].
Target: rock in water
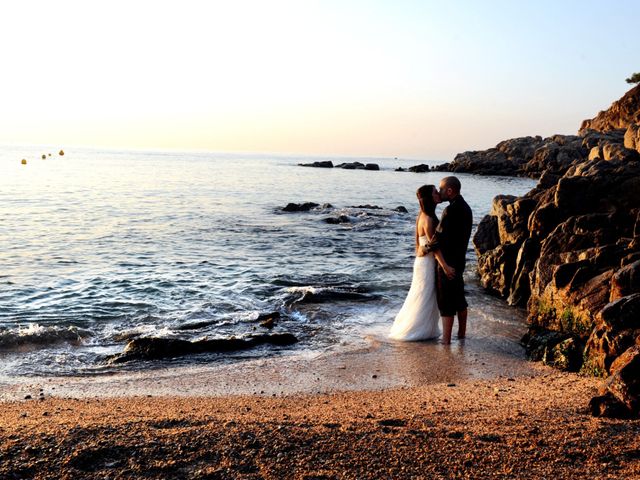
[323,164]
[337,220]
[152,348]
[267,320]
[351,166]
[300,207]
[422,168]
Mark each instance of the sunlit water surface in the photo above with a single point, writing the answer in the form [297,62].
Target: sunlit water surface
[98,247]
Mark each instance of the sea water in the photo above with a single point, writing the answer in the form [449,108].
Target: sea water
[98,247]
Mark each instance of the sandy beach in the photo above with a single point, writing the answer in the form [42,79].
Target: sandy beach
[391,411]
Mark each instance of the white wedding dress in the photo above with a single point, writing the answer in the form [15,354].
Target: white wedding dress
[419,318]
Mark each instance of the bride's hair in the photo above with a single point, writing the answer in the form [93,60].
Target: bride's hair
[425,197]
[427,205]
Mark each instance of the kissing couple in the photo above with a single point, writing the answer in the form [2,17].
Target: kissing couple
[437,287]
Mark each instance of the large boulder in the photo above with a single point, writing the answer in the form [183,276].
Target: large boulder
[620,396]
[617,327]
[632,137]
[487,236]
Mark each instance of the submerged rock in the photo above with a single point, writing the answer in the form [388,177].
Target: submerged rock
[337,220]
[268,320]
[300,207]
[367,207]
[153,348]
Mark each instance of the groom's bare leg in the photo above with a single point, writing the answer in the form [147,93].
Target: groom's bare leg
[447,327]
[462,323]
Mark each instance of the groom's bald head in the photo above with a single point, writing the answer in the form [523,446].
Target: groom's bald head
[452,182]
[449,188]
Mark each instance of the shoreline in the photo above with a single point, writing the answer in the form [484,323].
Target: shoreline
[475,409]
[378,364]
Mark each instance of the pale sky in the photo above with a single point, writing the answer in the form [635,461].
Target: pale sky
[413,79]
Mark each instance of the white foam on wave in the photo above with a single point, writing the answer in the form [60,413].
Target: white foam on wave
[36,334]
[141,331]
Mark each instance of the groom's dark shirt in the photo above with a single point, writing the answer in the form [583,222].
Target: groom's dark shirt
[452,234]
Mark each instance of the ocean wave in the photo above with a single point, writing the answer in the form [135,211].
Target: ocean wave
[140,330]
[313,294]
[35,334]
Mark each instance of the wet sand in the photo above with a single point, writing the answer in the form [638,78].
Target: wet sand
[383,364]
[392,410]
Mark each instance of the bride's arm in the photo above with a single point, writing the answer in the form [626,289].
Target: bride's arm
[431,229]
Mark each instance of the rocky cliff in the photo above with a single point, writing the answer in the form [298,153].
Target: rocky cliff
[570,249]
[619,115]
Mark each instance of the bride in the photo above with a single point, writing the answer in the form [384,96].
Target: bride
[418,319]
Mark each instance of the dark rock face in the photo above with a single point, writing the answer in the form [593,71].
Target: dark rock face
[570,248]
[323,164]
[351,166]
[422,168]
[300,207]
[152,348]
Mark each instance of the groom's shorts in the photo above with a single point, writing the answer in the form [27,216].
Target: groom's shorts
[450,294]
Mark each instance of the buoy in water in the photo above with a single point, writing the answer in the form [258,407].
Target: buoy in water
[24,161]
[61,152]
[44,156]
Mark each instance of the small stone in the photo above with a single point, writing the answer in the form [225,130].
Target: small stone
[392,422]
[374,376]
[28,397]
[331,425]
[451,384]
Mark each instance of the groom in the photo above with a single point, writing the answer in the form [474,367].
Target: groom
[452,238]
